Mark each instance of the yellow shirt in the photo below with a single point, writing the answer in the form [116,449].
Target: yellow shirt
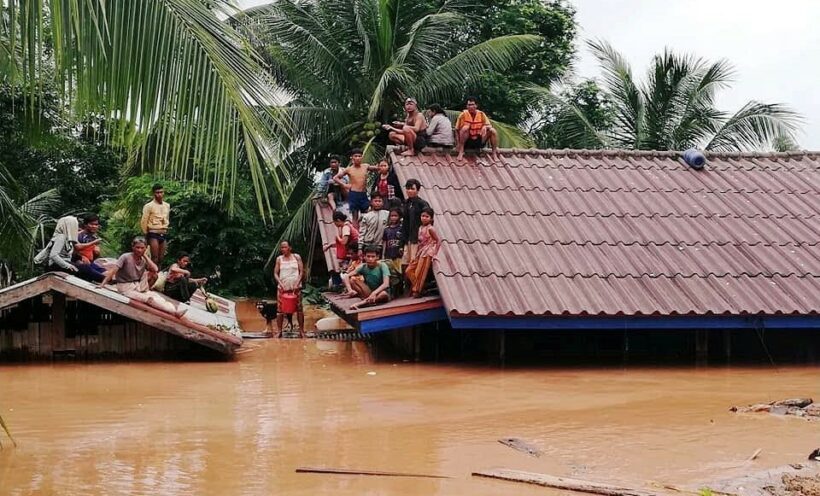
[155,217]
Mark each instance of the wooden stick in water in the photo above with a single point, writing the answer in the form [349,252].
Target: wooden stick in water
[562,483]
[347,471]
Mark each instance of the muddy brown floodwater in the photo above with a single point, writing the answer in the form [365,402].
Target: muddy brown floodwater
[242,427]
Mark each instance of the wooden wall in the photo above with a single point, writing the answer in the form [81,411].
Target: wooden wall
[37,329]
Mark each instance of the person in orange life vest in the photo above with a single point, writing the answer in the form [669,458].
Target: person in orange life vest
[474,130]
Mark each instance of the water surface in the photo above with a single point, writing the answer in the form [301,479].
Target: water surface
[242,427]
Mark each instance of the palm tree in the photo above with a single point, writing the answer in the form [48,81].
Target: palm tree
[22,221]
[182,87]
[674,108]
[349,64]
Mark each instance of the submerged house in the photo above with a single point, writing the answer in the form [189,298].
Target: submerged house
[58,315]
[595,239]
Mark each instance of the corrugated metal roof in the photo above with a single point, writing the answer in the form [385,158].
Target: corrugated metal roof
[624,233]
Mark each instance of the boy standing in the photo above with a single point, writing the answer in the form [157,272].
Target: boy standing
[156,217]
[357,190]
[372,224]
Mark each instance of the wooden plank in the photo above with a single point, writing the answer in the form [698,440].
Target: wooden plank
[376,312]
[25,290]
[137,311]
[576,485]
[33,339]
[58,321]
[347,471]
[46,339]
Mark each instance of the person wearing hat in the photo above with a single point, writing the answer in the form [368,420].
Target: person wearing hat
[411,132]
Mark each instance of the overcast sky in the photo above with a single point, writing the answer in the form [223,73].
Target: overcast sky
[774,46]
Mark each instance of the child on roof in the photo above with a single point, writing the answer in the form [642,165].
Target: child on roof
[387,185]
[428,247]
[372,224]
[346,242]
[392,243]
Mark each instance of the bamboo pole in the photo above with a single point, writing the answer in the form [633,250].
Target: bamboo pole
[562,483]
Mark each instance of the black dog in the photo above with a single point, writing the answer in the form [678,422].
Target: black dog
[268,310]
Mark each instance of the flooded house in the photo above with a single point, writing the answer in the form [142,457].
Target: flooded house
[551,247]
[59,315]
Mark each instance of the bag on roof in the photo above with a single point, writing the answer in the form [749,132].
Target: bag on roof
[41,258]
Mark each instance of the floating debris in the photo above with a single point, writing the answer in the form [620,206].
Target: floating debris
[796,407]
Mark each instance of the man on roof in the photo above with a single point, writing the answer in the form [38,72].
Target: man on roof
[356,173]
[411,132]
[474,130]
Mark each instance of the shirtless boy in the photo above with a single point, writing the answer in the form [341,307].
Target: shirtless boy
[357,188]
[411,132]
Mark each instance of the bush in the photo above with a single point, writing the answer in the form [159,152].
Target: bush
[237,244]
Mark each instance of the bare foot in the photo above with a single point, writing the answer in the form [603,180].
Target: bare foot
[407,153]
[460,157]
[349,294]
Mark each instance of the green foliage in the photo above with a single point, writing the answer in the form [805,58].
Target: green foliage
[179,87]
[501,91]
[351,63]
[44,154]
[557,126]
[237,243]
[674,108]
[705,491]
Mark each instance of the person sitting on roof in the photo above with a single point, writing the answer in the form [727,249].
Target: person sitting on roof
[374,285]
[328,190]
[429,244]
[387,185]
[59,251]
[440,129]
[371,227]
[179,284]
[87,250]
[357,189]
[131,274]
[474,130]
[411,132]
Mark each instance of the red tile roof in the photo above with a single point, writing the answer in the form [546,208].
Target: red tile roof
[624,233]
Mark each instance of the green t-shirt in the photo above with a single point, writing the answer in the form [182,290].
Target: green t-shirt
[375,276]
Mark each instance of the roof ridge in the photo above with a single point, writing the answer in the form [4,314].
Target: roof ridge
[630,276]
[622,152]
[598,215]
[634,275]
[761,243]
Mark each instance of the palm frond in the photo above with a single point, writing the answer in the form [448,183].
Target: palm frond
[626,97]
[170,68]
[451,77]
[572,123]
[754,126]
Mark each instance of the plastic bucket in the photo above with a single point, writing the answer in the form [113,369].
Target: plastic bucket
[289,303]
